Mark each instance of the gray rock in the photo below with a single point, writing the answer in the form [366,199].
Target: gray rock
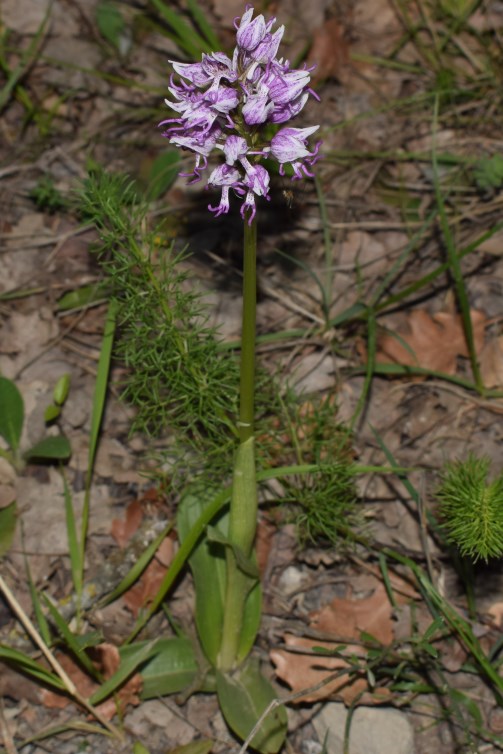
[374,730]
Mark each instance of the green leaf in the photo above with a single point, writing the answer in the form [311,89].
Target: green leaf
[8,519]
[82,297]
[197,14]
[207,563]
[61,389]
[163,173]
[30,667]
[243,696]
[51,413]
[11,413]
[50,449]
[76,563]
[110,22]
[139,748]
[172,668]
[247,565]
[185,36]
[138,567]
[208,567]
[43,625]
[68,637]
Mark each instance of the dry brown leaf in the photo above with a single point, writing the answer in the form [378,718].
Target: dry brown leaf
[150,582]
[304,671]
[107,659]
[123,529]
[329,51]
[145,589]
[434,341]
[346,619]
[491,363]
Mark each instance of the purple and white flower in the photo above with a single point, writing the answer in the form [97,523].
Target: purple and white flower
[223,103]
[289,146]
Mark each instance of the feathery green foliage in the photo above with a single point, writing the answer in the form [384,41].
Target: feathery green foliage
[177,376]
[472,508]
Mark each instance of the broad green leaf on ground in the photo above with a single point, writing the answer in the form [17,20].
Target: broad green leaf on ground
[50,449]
[243,696]
[169,671]
[207,563]
[11,413]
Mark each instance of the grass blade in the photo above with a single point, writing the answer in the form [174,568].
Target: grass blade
[100,392]
[186,37]
[198,15]
[454,264]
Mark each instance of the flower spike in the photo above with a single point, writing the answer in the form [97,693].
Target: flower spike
[225,103]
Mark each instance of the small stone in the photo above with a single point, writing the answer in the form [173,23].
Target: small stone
[374,730]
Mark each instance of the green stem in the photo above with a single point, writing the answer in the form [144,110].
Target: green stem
[247,377]
[244,503]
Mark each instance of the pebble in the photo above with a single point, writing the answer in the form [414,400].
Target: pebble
[374,730]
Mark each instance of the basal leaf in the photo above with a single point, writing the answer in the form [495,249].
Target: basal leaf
[172,668]
[243,696]
[207,563]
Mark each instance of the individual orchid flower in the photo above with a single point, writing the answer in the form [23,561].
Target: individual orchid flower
[289,146]
[250,33]
[227,177]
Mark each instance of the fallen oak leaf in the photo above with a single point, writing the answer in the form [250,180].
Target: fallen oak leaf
[346,620]
[301,672]
[432,342]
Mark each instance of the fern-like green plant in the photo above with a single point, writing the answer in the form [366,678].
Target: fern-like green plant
[471,507]
[178,378]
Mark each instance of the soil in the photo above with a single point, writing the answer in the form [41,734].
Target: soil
[92,103]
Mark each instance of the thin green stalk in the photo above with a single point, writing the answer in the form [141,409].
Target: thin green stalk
[247,374]
[244,502]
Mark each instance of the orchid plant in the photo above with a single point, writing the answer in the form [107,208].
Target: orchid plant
[236,107]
